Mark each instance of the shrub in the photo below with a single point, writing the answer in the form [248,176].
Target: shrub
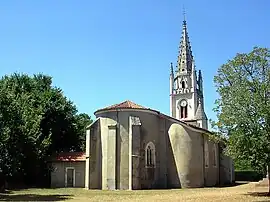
[248,175]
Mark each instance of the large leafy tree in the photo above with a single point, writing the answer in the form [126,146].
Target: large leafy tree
[82,121]
[243,107]
[36,120]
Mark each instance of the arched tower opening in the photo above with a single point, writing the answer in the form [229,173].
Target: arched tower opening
[183,84]
[183,109]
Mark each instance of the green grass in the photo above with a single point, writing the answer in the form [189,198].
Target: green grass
[232,194]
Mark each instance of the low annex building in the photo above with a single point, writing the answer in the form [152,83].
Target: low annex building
[68,169]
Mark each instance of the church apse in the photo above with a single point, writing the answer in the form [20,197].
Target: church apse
[140,148]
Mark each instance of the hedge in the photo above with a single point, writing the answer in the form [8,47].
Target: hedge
[248,175]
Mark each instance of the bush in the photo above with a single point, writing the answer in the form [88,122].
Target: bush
[248,175]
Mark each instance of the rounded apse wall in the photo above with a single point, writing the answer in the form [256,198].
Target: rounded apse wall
[186,169]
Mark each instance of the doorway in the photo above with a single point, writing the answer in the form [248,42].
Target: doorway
[70,177]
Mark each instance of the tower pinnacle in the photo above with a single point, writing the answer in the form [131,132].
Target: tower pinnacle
[171,68]
[200,85]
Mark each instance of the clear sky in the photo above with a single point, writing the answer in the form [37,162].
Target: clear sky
[102,52]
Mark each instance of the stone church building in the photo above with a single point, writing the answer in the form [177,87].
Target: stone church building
[129,146]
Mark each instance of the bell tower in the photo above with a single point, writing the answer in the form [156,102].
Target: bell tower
[186,90]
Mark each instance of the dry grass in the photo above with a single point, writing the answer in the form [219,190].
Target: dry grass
[232,194]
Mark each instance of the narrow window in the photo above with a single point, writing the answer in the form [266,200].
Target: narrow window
[150,157]
[183,112]
[183,84]
[183,108]
[206,153]
[150,162]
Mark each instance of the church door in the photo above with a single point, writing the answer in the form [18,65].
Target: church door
[70,177]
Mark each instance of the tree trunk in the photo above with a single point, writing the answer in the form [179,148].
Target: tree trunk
[2,183]
[268,176]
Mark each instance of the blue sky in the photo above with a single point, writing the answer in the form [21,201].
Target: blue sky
[102,52]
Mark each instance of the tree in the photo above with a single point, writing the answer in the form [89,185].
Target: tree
[36,120]
[82,120]
[243,107]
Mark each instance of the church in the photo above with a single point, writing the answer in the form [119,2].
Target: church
[131,147]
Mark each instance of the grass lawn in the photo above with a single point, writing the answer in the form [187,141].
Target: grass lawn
[246,192]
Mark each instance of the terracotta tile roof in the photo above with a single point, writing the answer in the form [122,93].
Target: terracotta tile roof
[123,105]
[69,156]
[131,105]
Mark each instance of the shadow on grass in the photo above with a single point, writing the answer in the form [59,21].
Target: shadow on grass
[33,197]
[5,192]
[237,183]
[259,194]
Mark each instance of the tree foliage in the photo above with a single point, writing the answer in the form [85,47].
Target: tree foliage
[36,120]
[242,165]
[243,107]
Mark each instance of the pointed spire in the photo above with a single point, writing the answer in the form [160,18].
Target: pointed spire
[185,57]
[171,68]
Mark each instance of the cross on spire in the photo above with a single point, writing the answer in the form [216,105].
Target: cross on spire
[184,13]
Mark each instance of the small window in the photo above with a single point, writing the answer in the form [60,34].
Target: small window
[150,156]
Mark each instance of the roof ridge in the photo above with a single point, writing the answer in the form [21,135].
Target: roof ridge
[158,112]
[127,104]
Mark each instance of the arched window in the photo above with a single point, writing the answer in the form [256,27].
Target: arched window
[183,109]
[183,112]
[183,84]
[150,155]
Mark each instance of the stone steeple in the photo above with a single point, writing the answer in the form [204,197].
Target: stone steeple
[186,90]
[185,58]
